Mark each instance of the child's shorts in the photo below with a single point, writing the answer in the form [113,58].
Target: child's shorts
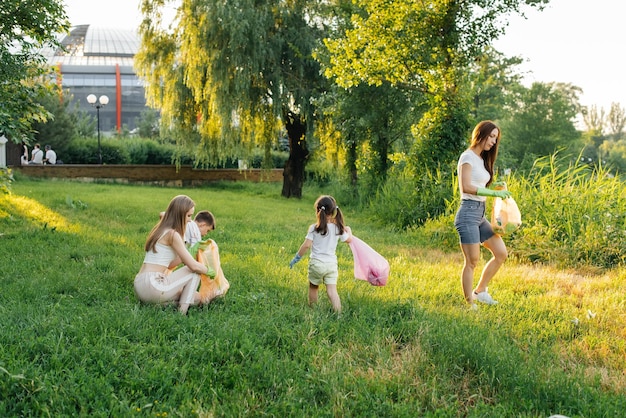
[321,272]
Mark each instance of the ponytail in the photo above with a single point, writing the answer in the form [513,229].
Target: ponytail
[326,206]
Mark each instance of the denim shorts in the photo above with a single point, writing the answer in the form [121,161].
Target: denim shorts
[471,224]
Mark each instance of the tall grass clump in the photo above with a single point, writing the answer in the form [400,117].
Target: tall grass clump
[573,215]
[408,200]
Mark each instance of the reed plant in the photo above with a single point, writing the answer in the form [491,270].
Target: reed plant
[573,216]
[74,341]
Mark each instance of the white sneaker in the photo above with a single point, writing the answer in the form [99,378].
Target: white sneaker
[485,297]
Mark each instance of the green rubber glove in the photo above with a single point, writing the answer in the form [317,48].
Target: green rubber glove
[211,272]
[503,194]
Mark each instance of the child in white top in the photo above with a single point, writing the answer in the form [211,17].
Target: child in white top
[199,227]
[322,238]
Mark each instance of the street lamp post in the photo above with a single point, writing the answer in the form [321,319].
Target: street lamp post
[98,103]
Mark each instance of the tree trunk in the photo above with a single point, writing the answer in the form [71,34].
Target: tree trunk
[351,163]
[293,174]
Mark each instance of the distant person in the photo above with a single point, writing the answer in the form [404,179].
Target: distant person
[475,173]
[37,155]
[24,156]
[165,249]
[322,238]
[51,156]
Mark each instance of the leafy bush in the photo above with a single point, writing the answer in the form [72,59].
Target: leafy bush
[410,200]
[148,151]
[278,159]
[573,214]
[320,172]
[6,177]
[85,151]
[126,150]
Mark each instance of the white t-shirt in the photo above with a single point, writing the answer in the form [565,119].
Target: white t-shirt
[37,156]
[480,176]
[192,233]
[51,157]
[325,246]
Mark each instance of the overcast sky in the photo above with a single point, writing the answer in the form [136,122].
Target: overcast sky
[573,41]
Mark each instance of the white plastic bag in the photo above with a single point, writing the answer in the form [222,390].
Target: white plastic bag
[505,216]
[208,254]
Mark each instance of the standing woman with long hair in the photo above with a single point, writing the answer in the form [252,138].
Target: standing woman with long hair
[165,249]
[475,172]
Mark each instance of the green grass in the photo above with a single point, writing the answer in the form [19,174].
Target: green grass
[74,341]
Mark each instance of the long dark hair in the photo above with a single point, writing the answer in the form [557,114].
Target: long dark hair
[174,218]
[481,133]
[326,206]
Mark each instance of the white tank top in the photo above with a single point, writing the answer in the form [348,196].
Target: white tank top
[163,256]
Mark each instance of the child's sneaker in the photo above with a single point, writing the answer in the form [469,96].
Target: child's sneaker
[485,297]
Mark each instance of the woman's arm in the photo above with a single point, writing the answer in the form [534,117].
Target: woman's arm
[179,247]
[465,180]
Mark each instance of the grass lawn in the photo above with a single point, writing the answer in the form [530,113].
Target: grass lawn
[74,341]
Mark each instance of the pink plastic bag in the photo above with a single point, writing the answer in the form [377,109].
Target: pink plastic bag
[368,264]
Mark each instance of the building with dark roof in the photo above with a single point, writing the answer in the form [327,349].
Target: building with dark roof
[100,61]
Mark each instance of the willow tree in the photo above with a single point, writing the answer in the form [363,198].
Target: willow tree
[229,75]
[427,46]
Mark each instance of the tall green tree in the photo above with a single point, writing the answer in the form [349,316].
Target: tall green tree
[229,75]
[426,46]
[494,81]
[542,121]
[374,121]
[61,128]
[26,26]
[594,119]
[616,120]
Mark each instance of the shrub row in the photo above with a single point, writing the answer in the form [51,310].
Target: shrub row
[147,151]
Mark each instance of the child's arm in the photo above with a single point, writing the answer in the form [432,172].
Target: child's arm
[349,231]
[306,245]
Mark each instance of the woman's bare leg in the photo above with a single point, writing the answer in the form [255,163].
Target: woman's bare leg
[496,245]
[471,254]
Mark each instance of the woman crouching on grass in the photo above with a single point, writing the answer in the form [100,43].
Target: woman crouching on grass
[165,249]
